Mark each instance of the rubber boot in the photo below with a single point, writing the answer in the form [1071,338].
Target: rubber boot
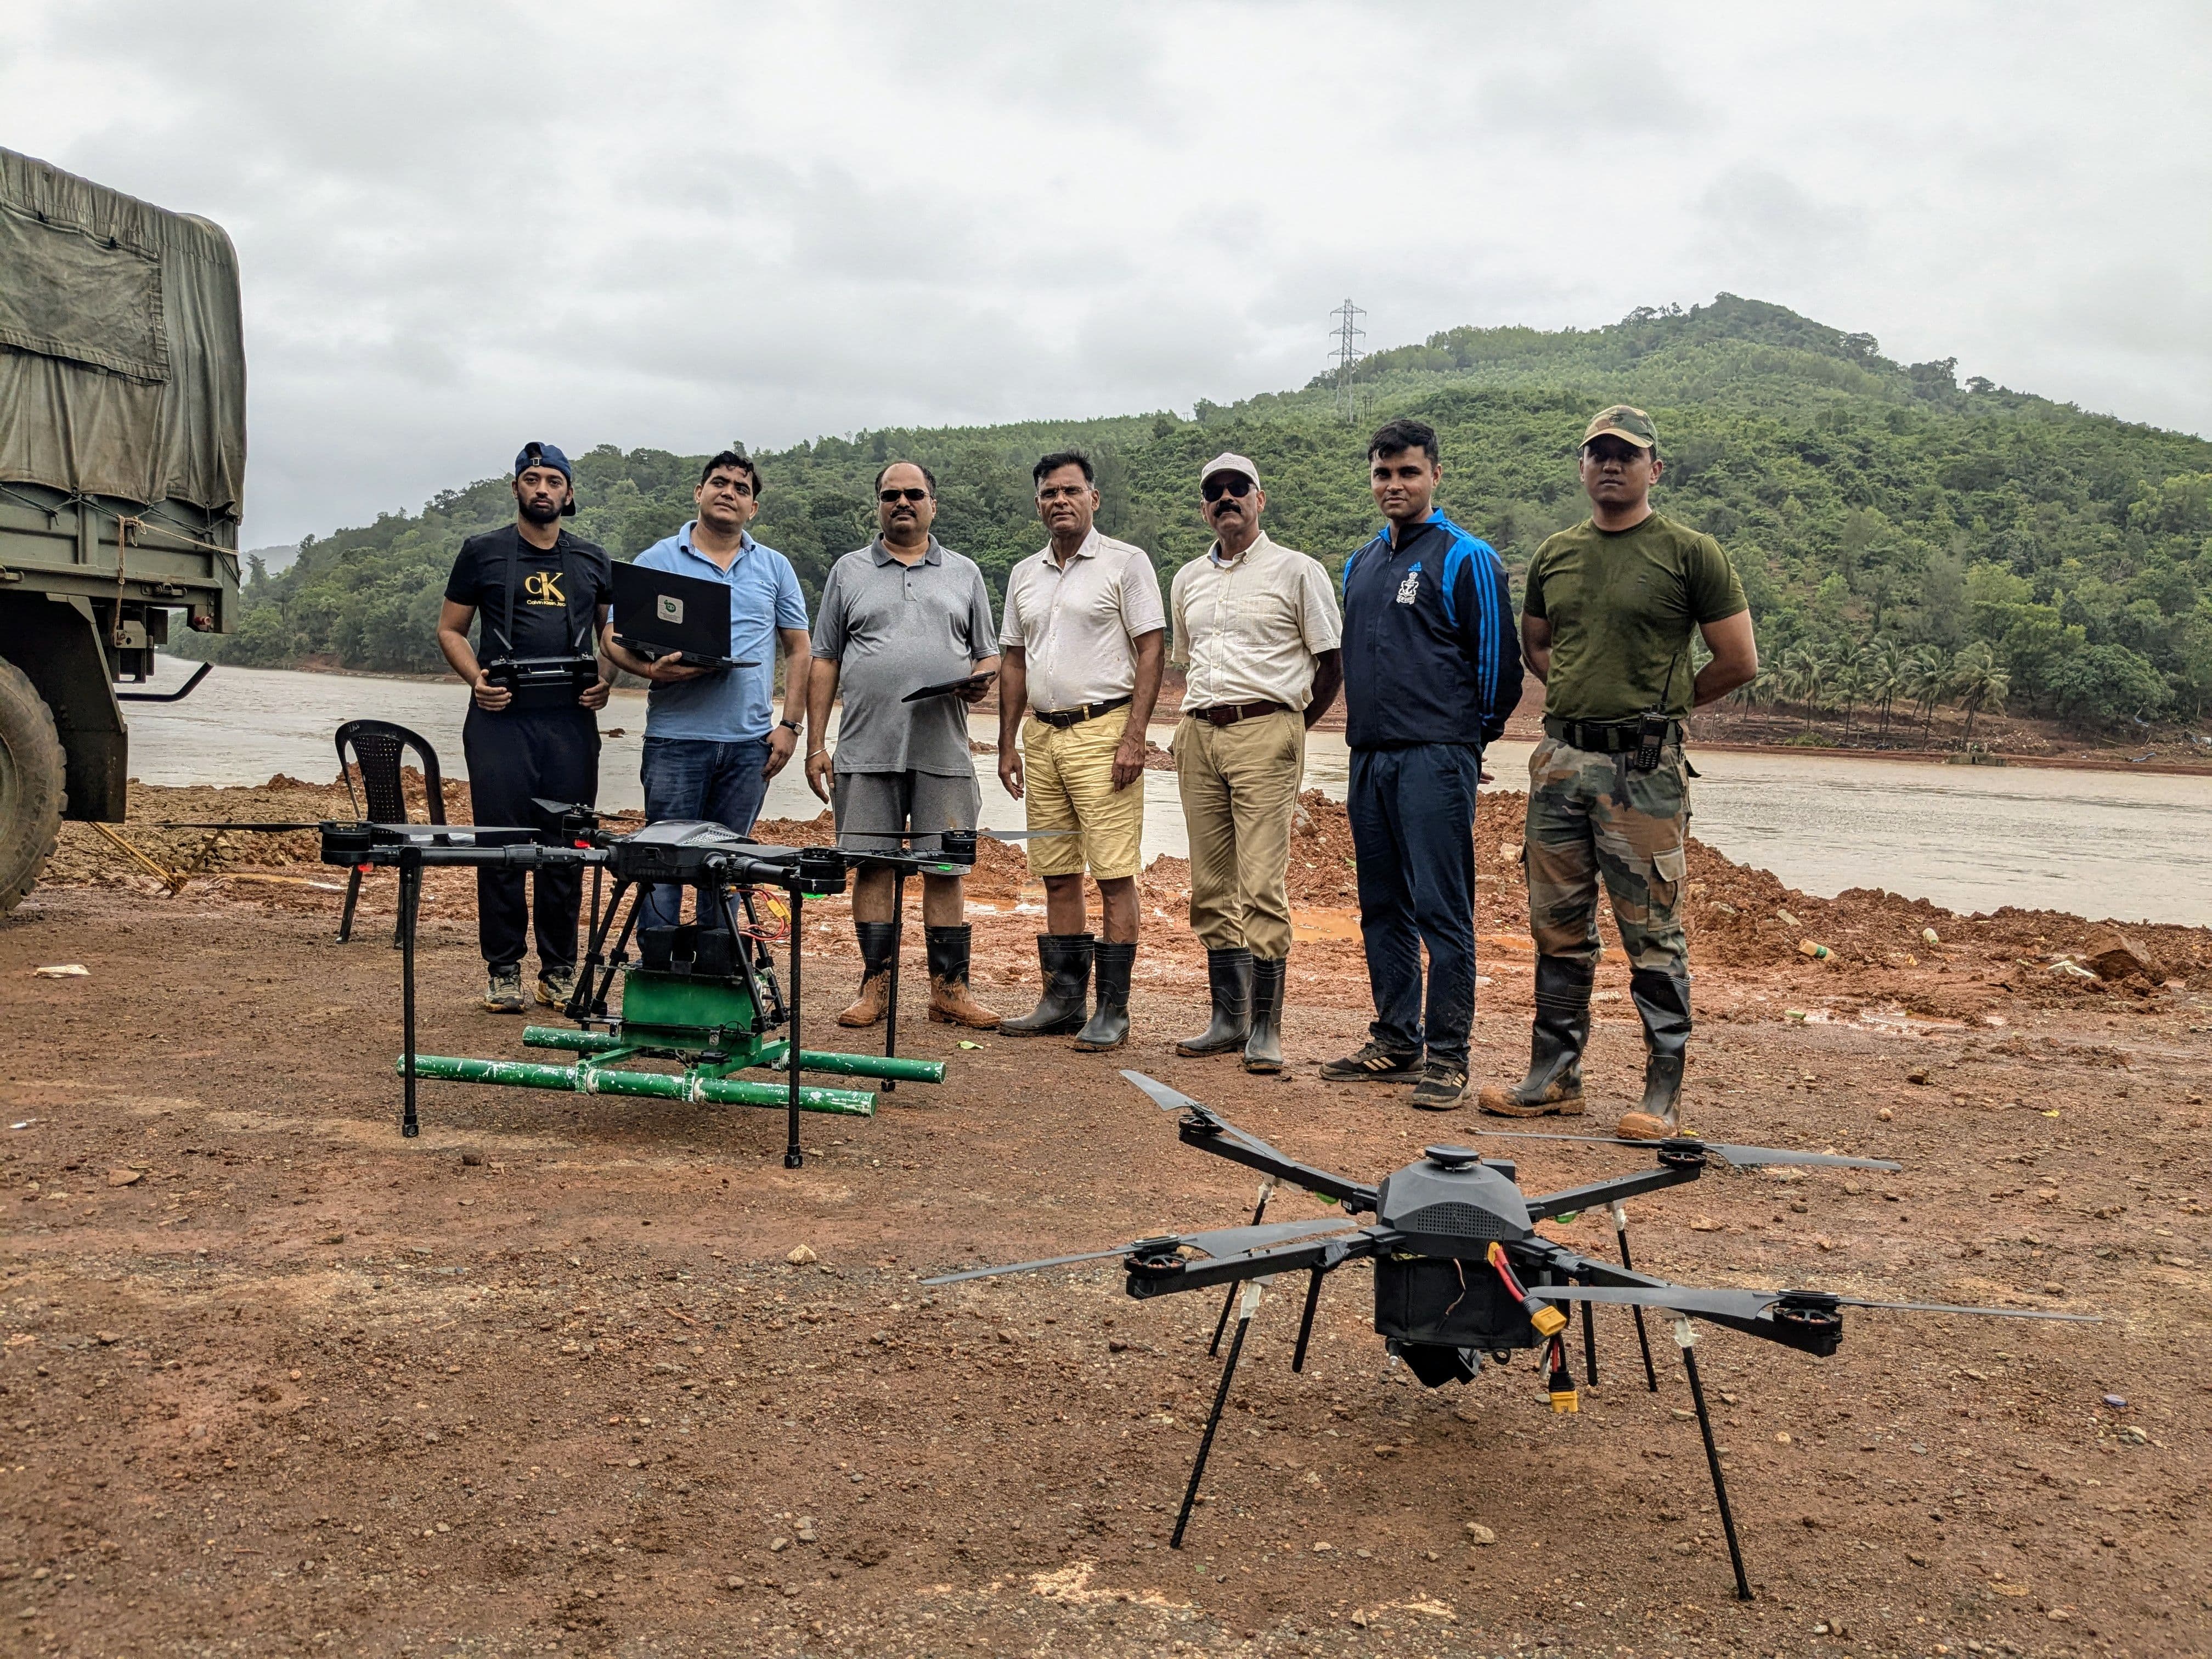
[1664,1000]
[1556,1041]
[1108,1027]
[951,1002]
[879,942]
[1263,1048]
[1065,959]
[1229,975]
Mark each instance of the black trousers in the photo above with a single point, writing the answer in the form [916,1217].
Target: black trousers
[512,756]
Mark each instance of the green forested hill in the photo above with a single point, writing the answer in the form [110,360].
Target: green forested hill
[2017,549]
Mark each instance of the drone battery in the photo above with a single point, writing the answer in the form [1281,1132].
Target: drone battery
[715,952]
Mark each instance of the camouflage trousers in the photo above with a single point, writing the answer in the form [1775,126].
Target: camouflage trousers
[1592,817]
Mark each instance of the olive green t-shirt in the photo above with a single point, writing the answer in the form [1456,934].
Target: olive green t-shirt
[1622,605]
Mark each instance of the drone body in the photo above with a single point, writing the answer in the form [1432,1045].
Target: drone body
[1460,1271]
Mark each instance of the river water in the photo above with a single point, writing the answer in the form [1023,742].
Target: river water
[2135,846]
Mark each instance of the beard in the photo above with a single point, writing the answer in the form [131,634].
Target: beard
[541,512]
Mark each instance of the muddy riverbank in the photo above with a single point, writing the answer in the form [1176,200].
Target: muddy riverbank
[547,1380]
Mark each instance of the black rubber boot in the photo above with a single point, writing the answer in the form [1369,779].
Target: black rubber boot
[1663,1001]
[1066,961]
[1263,1048]
[1109,1021]
[1228,972]
[1556,1041]
[879,943]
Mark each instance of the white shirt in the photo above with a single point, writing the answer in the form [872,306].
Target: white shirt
[1249,629]
[1074,625]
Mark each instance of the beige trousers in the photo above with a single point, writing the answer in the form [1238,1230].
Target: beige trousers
[1240,786]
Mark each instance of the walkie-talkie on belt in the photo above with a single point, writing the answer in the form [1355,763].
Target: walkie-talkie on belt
[1653,726]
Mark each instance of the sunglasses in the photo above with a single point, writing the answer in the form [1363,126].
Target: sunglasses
[1229,484]
[887,496]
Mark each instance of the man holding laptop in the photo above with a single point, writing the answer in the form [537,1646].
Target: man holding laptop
[712,740]
[906,633]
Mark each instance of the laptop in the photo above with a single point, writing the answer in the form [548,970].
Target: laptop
[658,614]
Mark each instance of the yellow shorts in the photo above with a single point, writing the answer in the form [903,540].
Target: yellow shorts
[1068,775]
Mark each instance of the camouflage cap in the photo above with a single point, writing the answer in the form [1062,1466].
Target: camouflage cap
[1629,425]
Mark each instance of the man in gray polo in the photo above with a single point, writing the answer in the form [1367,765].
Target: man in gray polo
[900,614]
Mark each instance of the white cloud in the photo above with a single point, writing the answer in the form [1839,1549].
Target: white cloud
[663,224]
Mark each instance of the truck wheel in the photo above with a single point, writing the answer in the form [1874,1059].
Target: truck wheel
[32,783]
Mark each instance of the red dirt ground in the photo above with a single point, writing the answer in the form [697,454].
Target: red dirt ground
[545,1379]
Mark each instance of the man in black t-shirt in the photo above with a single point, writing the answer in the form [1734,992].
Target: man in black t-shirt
[541,593]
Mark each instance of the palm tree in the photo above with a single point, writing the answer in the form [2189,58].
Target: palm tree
[1883,678]
[1802,675]
[1849,671]
[1927,677]
[1980,681]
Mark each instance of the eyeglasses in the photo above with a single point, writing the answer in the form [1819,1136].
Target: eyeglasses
[1226,484]
[887,496]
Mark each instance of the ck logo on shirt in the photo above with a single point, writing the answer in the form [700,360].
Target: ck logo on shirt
[544,588]
[1410,589]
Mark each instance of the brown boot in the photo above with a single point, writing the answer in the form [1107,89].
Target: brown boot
[951,1002]
[878,944]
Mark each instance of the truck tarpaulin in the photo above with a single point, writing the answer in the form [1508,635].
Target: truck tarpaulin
[122,367]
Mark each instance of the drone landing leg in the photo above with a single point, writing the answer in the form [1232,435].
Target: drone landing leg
[1642,1338]
[1306,1319]
[899,942]
[410,872]
[1248,1303]
[1258,1214]
[1686,1339]
[793,1157]
[1589,1345]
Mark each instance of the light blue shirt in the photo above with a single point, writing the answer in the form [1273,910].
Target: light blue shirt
[738,705]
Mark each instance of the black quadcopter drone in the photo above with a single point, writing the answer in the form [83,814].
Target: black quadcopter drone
[1461,1273]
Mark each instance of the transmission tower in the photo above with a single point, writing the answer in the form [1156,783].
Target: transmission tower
[1347,357]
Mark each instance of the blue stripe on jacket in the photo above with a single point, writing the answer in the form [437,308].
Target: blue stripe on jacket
[1445,668]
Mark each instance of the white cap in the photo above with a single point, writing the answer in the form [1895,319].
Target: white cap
[1225,462]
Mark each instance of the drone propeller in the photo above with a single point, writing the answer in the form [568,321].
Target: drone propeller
[1743,1158]
[1167,1099]
[924,835]
[1220,1241]
[1751,1304]
[433,830]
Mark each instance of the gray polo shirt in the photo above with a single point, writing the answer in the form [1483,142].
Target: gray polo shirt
[892,628]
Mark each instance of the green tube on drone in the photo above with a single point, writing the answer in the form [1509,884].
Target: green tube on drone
[657,1085]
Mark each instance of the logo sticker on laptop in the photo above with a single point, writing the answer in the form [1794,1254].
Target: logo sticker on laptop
[668,607]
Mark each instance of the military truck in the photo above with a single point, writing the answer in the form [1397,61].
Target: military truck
[122,477]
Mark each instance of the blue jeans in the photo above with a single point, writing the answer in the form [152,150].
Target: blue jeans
[697,780]
[1412,836]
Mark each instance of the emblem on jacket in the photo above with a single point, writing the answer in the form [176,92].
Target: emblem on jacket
[1410,589]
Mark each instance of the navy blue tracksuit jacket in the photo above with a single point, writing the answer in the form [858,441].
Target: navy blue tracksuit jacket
[1430,653]
[1431,669]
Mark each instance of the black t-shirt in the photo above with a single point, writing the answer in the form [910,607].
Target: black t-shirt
[556,591]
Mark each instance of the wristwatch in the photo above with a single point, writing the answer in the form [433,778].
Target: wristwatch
[791,726]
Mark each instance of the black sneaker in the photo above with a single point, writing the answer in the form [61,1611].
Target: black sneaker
[503,993]
[1372,1064]
[1443,1088]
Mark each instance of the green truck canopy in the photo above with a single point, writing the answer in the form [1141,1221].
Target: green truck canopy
[122,359]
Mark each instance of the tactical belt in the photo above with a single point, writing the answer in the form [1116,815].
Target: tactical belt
[1603,737]
[1064,718]
[1228,713]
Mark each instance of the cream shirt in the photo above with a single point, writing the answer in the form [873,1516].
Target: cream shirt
[1250,630]
[1074,626]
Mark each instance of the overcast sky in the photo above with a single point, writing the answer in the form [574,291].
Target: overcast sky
[463,226]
